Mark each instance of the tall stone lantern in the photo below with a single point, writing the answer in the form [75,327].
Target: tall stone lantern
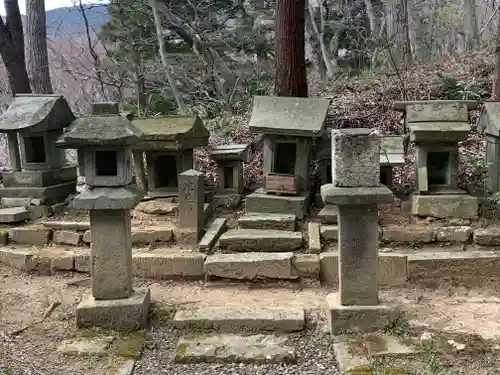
[105,143]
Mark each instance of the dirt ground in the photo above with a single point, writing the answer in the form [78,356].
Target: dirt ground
[25,298]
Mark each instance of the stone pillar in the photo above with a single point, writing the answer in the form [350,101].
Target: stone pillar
[140,173]
[191,200]
[356,190]
[493,161]
[14,155]
[111,254]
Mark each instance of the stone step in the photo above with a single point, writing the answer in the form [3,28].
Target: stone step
[255,220]
[13,215]
[234,349]
[269,240]
[234,319]
[328,214]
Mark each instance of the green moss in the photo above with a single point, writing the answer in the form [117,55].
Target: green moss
[371,343]
[360,370]
[130,346]
[162,314]
[88,333]
[181,350]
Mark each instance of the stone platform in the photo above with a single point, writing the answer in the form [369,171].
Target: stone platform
[278,204]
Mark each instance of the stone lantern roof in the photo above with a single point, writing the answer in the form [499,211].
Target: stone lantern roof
[36,113]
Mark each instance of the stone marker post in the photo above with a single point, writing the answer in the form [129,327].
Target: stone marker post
[356,191]
[191,200]
[104,141]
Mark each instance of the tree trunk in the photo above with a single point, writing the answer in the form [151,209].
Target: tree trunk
[291,74]
[12,48]
[36,39]
[398,33]
[495,91]
[471,29]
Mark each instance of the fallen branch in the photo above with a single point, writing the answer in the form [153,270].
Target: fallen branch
[46,314]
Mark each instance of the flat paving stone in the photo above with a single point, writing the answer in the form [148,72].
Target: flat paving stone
[248,266]
[233,319]
[255,220]
[86,346]
[260,240]
[13,215]
[212,234]
[233,348]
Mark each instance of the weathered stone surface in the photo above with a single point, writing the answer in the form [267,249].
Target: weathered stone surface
[356,318]
[410,233]
[86,236]
[453,234]
[307,265]
[256,220]
[233,348]
[103,198]
[348,361]
[444,206]
[160,264]
[191,200]
[214,230]
[329,267]
[258,201]
[127,367]
[392,269]
[355,158]
[4,237]
[260,240]
[13,215]
[30,235]
[67,225]
[66,237]
[456,221]
[121,314]
[237,319]
[158,207]
[86,346]
[466,265]
[82,262]
[332,195]
[15,202]
[62,262]
[489,236]
[147,235]
[329,232]
[328,214]
[313,238]
[249,266]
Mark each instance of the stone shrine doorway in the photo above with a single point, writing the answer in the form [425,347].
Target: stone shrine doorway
[166,171]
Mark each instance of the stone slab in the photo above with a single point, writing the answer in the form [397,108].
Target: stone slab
[348,362]
[66,237]
[163,264]
[254,220]
[67,225]
[86,237]
[86,346]
[119,314]
[355,196]
[307,266]
[147,235]
[158,207]
[232,348]
[453,234]
[329,267]
[357,319]
[127,367]
[48,195]
[274,204]
[445,206]
[105,198]
[489,236]
[30,235]
[234,319]
[227,200]
[313,238]
[39,178]
[249,266]
[212,234]
[328,214]
[13,215]
[329,232]
[410,233]
[248,240]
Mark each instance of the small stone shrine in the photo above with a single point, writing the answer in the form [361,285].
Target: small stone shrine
[489,123]
[106,143]
[168,143]
[436,128]
[289,126]
[38,170]
[356,191]
[230,184]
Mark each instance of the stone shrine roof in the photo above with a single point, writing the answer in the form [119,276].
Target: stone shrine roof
[230,152]
[302,117]
[105,130]
[489,120]
[447,132]
[37,113]
[172,132]
[402,105]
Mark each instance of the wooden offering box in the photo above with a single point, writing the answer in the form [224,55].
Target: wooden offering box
[280,183]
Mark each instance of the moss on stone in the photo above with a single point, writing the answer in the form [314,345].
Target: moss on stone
[162,314]
[370,343]
[131,346]
[395,371]
[181,350]
[360,370]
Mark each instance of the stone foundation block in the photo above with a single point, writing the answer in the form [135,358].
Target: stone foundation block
[66,237]
[328,214]
[313,237]
[249,240]
[13,215]
[408,234]
[62,262]
[489,236]
[445,206]
[329,267]
[329,232]
[392,269]
[144,236]
[274,204]
[214,231]
[249,266]
[453,234]
[267,221]
[357,319]
[307,265]
[30,235]
[167,265]
[67,225]
[119,314]
[82,262]
[86,237]
[4,237]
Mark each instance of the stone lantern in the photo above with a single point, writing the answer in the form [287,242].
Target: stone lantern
[105,144]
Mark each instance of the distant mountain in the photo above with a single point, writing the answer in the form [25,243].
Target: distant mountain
[69,20]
